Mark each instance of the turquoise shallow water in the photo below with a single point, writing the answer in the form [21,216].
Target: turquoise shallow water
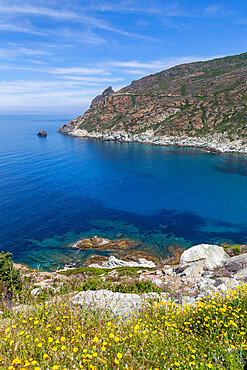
[55,190]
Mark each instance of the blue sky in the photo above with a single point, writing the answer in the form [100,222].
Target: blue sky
[56,55]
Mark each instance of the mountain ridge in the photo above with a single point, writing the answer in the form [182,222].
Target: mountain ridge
[192,100]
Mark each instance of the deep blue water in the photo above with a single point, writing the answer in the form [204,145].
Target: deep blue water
[55,190]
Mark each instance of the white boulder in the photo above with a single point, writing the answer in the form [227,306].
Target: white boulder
[211,256]
[117,303]
[114,262]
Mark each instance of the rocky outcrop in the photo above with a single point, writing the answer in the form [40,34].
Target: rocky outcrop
[68,128]
[42,133]
[236,263]
[127,304]
[99,98]
[209,256]
[114,262]
[241,274]
[117,303]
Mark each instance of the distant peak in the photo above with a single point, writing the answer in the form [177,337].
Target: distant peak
[108,91]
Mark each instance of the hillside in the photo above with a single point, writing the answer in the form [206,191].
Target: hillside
[194,99]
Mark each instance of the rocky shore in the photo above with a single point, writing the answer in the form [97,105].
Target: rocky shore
[219,143]
[123,286]
[202,270]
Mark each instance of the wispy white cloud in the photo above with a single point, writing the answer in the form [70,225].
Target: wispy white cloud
[156,65]
[35,61]
[33,95]
[78,71]
[103,73]
[20,28]
[80,17]
[214,9]
[161,8]
[78,35]
[127,6]
[136,72]
[98,80]
[46,87]
[13,52]
[37,11]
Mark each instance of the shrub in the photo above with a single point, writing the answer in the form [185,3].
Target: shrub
[9,276]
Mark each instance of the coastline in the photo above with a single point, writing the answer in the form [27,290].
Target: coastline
[218,143]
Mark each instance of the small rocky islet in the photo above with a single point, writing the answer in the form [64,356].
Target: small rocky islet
[42,133]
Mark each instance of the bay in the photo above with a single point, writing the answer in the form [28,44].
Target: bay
[58,189]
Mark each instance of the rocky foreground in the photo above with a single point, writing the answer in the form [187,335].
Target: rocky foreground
[184,313]
[201,271]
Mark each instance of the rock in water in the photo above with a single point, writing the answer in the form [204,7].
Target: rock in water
[211,256]
[42,133]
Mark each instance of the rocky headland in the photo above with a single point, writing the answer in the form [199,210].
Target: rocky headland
[199,104]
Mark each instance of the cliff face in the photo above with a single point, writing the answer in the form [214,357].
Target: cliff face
[192,99]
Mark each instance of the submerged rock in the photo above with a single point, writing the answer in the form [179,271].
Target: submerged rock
[42,133]
[121,248]
[102,243]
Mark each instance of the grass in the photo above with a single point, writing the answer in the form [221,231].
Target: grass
[57,335]
[91,271]
[235,248]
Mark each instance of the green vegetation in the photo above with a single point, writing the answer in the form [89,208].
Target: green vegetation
[119,286]
[235,248]
[90,271]
[9,276]
[183,90]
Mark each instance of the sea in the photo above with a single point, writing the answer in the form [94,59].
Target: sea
[57,190]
